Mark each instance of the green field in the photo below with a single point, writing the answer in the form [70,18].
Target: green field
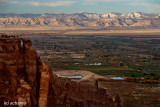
[119,72]
[104,69]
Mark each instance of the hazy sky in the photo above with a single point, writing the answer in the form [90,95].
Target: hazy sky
[76,6]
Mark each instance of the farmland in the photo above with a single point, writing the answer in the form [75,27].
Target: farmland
[123,55]
[133,56]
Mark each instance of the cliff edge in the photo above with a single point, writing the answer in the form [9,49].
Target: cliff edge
[26,81]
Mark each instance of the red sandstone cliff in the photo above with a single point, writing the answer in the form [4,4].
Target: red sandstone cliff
[23,78]
[19,71]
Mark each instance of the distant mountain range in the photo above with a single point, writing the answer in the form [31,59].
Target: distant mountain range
[135,19]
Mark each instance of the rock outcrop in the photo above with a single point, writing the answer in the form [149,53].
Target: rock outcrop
[19,71]
[89,79]
[25,80]
[135,19]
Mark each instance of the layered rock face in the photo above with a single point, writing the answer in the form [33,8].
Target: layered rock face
[19,71]
[66,93]
[136,19]
[24,80]
[63,22]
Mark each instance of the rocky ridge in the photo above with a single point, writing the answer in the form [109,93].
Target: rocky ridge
[28,81]
[135,19]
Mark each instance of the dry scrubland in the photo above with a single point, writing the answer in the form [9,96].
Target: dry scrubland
[75,30]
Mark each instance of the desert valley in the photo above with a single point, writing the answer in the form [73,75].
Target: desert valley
[80,60]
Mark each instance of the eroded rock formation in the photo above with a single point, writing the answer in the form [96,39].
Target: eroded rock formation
[19,71]
[24,80]
[135,19]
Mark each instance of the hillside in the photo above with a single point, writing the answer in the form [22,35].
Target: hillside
[136,19]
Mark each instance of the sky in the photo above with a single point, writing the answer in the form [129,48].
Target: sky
[78,6]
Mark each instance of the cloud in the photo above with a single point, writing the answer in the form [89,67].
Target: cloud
[59,3]
[30,3]
[151,7]
[51,4]
[33,3]
[94,2]
[123,2]
[112,0]
[100,0]
[3,0]
[145,4]
[6,1]
[109,0]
